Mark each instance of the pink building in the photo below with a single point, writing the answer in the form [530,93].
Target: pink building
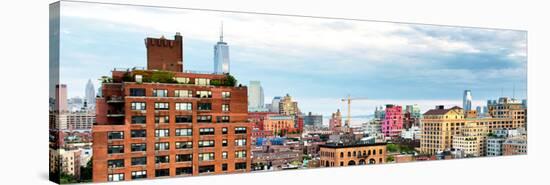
[393,121]
[335,122]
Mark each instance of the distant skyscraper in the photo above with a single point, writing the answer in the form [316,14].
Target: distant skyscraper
[479,111]
[61,98]
[221,55]
[313,120]
[275,104]
[288,107]
[90,94]
[467,101]
[255,95]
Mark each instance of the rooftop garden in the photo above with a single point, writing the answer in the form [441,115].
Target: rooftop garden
[169,77]
[397,148]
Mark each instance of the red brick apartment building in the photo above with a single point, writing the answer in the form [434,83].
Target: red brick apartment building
[165,122]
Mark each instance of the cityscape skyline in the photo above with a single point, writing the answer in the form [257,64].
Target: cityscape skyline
[337,93]
[378,53]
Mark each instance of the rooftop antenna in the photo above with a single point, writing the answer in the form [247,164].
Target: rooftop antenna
[221,32]
[514,91]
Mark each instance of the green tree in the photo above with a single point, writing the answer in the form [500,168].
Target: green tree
[65,178]
[390,158]
[86,172]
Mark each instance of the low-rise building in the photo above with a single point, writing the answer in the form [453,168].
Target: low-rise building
[278,124]
[515,145]
[471,139]
[338,154]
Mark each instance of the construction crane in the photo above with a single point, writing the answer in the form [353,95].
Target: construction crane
[348,100]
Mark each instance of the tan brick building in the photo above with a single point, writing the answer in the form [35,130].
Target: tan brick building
[441,125]
[352,154]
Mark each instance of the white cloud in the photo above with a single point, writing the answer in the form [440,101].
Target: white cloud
[290,36]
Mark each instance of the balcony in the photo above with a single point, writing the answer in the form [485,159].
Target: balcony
[114,114]
[115,99]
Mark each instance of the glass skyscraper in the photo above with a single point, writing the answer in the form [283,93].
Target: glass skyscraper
[90,94]
[467,101]
[255,95]
[221,55]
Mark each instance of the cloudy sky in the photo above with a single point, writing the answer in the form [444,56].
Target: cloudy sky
[317,61]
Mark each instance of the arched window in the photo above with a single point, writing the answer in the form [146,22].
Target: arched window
[354,154]
[349,154]
[341,154]
[369,152]
[372,161]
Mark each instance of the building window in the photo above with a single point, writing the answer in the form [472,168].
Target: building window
[222,119]
[162,172]
[224,130]
[117,163]
[206,156]
[138,147]
[240,154]
[184,106]
[139,161]
[184,119]
[206,169]
[162,159]
[139,174]
[240,130]
[202,81]
[162,106]
[204,119]
[225,107]
[182,80]
[137,92]
[162,146]
[209,143]
[184,171]
[116,135]
[226,94]
[206,131]
[184,132]
[380,151]
[240,142]
[116,177]
[115,149]
[341,163]
[224,155]
[240,166]
[138,105]
[184,157]
[162,119]
[184,145]
[204,94]
[162,133]
[224,167]
[183,93]
[204,106]
[224,142]
[160,92]
[139,119]
[138,133]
